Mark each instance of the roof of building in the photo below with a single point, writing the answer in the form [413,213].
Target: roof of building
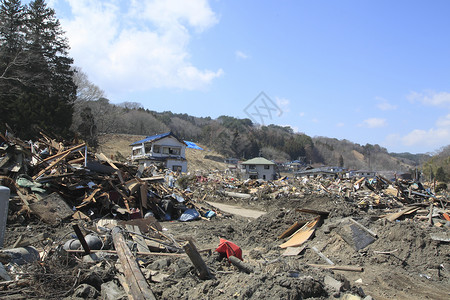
[157,137]
[258,161]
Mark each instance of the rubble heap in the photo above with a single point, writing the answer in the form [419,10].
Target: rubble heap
[83,226]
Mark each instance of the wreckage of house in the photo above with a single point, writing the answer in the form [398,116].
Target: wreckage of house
[165,150]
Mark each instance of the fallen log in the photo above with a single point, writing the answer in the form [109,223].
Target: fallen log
[240,264]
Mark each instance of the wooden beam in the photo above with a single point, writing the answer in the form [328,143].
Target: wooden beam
[139,287]
[197,260]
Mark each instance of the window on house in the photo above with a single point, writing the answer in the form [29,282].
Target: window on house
[156,149]
[148,148]
[176,168]
[174,151]
[251,167]
[137,152]
[267,167]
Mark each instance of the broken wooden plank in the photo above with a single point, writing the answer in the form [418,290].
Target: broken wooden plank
[394,216]
[293,251]
[21,242]
[50,166]
[197,260]
[293,228]
[139,287]
[143,190]
[80,237]
[136,235]
[88,199]
[302,235]
[75,148]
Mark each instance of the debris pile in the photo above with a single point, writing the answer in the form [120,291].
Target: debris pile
[81,225]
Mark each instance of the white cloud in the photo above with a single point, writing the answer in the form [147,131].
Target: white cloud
[301,114]
[283,104]
[139,45]
[432,138]
[383,104]
[430,98]
[340,124]
[373,123]
[241,55]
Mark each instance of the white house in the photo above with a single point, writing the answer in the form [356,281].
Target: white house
[165,150]
[259,168]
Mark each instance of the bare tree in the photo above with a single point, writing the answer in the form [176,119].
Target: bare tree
[86,90]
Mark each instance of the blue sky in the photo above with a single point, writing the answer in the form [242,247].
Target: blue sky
[367,71]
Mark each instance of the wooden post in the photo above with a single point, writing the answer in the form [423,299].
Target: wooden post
[80,237]
[197,260]
[139,287]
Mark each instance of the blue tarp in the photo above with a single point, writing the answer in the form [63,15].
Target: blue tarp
[192,145]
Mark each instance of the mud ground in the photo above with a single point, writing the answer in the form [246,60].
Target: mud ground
[416,267]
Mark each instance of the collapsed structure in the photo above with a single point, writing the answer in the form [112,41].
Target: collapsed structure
[317,240]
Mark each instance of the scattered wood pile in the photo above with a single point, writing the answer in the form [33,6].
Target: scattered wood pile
[114,212]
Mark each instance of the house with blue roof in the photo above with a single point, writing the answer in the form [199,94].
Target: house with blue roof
[165,150]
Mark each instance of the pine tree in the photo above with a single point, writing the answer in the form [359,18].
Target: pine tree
[46,91]
[12,58]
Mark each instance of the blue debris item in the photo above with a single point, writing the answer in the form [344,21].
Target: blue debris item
[192,145]
[189,215]
[209,214]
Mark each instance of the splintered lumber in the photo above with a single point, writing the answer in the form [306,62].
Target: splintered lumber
[136,235]
[64,153]
[143,190]
[240,264]
[394,216]
[197,260]
[293,228]
[50,165]
[338,268]
[302,235]
[134,278]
